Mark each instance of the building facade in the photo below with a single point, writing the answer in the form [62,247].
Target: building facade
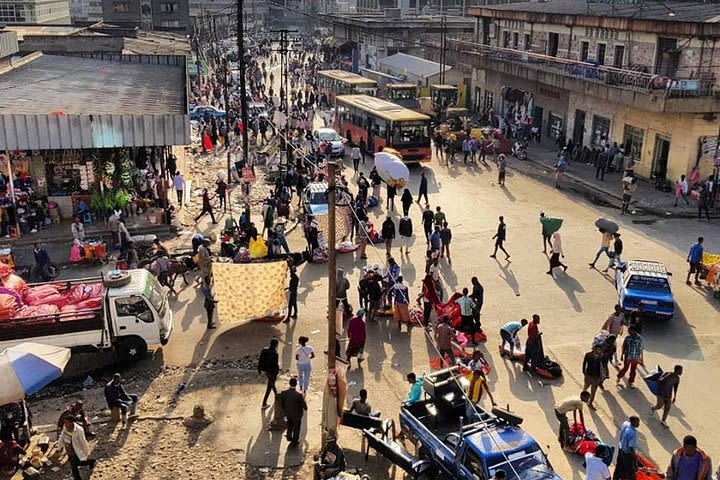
[148,14]
[86,11]
[642,77]
[55,12]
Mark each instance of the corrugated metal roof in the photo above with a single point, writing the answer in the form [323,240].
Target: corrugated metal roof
[8,44]
[677,11]
[402,62]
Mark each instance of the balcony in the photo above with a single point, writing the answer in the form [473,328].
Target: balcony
[653,93]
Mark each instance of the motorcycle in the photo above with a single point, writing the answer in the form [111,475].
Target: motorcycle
[519,150]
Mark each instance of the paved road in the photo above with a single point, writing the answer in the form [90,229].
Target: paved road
[572,307]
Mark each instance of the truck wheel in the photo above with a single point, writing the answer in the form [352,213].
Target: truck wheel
[132,349]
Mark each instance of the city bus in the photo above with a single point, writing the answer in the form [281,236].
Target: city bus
[373,124]
[340,82]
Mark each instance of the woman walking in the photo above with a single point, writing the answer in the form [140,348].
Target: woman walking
[407,201]
[356,337]
[303,356]
[556,253]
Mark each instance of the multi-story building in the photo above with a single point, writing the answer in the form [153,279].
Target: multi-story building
[255,12]
[56,12]
[642,75]
[86,11]
[148,14]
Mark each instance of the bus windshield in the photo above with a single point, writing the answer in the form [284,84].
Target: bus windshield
[402,94]
[409,133]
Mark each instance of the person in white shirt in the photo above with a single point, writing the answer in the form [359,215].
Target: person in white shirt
[78,230]
[179,186]
[303,356]
[356,155]
[72,440]
[595,468]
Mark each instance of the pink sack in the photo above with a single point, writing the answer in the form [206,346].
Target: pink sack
[75,256]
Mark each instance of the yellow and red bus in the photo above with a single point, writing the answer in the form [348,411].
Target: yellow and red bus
[340,82]
[373,124]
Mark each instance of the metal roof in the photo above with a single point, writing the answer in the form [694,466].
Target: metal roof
[672,11]
[381,108]
[56,102]
[404,63]
[347,77]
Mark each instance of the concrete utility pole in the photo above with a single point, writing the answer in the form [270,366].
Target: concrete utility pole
[243,93]
[226,72]
[332,265]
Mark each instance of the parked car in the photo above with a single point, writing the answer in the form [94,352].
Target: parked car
[337,143]
[257,109]
[198,113]
[315,199]
[646,282]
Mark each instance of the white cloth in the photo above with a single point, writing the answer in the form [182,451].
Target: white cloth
[556,242]
[595,468]
[76,438]
[303,354]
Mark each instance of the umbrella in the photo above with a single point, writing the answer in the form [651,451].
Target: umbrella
[607,225]
[28,367]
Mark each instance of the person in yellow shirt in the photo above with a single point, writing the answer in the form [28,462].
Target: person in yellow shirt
[478,383]
[605,243]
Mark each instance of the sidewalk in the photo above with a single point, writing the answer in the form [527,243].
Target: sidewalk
[646,200]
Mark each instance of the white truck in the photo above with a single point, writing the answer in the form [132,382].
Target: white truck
[134,313]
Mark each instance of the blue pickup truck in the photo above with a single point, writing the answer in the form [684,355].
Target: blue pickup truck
[469,443]
[646,282]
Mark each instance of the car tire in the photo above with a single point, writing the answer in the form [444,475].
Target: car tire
[131,349]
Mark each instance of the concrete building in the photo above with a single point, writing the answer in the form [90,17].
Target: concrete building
[223,11]
[55,12]
[148,14]
[86,11]
[379,36]
[643,76]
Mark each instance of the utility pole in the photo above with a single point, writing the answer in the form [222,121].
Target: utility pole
[284,87]
[226,95]
[243,93]
[443,34]
[331,426]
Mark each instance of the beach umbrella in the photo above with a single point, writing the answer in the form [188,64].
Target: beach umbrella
[28,367]
[607,225]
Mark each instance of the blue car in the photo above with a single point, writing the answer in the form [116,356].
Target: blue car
[646,282]
[197,113]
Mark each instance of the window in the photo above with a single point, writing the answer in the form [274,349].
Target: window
[516,40]
[168,7]
[528,42]
[489,100]
[619,56]
[601,53]
[122,7]
[584,51]
[553,42]
[506,39]
[133,307]
[170,23]
[600,130]
[633,140]
[473,463]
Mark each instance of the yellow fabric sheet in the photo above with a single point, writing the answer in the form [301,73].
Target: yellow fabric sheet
[343,224]
[246,291]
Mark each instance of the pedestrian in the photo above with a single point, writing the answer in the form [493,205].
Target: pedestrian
[204,261]
[681,190]
[467,321]
[304,354]
[206,207]
[435,241]
[401,297]
[574,404]
[221,193]
[294,407]
[405,229]
[545,233]
[72,440]
[533,344]
[499,238]
[357,335]
[292,289]
[668,384]
[502,165]
[179,186]
[445,238]
[388,234]
[689,462]
[439,142]
[427,296]
[509,334]
[465,146]
[427,220]
[614,325]
[439,217]
[595,466]
[209,305]
[704,200]
[632,350]
[390,202]
[444,334]
[592,369]
[626,466]
[478,384]
[555,253]
[416,388]
[407,201]
[601,165]
[694,259]
[629,185]
[560,168]
[355,156]
[342,285]
[615,255]
[605,242]
[374,294]
[423,189]
[269,364]
[117,397]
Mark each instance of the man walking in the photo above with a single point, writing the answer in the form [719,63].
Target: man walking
[179,186]
[607,239]
[689,462]
[502,165]
[209,305]
[443,338]
[427,221]
[388,234]
[632,350]
[614,325]
[292,297]
[72,440]
[574,404]
[355,155]
[499,238]
[294,406]
[423,189]
[616,254]
[694,258]
[439,217]
[269,364]
[626,466]
[667,392]
[445,238]
[592,369]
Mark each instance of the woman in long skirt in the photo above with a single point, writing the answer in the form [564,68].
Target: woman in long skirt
[556,253]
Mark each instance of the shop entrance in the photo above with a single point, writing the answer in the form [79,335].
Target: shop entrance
[578,127]
[660,157]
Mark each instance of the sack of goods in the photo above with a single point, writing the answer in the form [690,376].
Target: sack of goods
[391,169]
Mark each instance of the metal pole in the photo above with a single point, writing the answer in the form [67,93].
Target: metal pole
[243,94]
[332,266]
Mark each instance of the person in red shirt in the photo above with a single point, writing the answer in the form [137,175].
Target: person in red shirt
[533,345]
